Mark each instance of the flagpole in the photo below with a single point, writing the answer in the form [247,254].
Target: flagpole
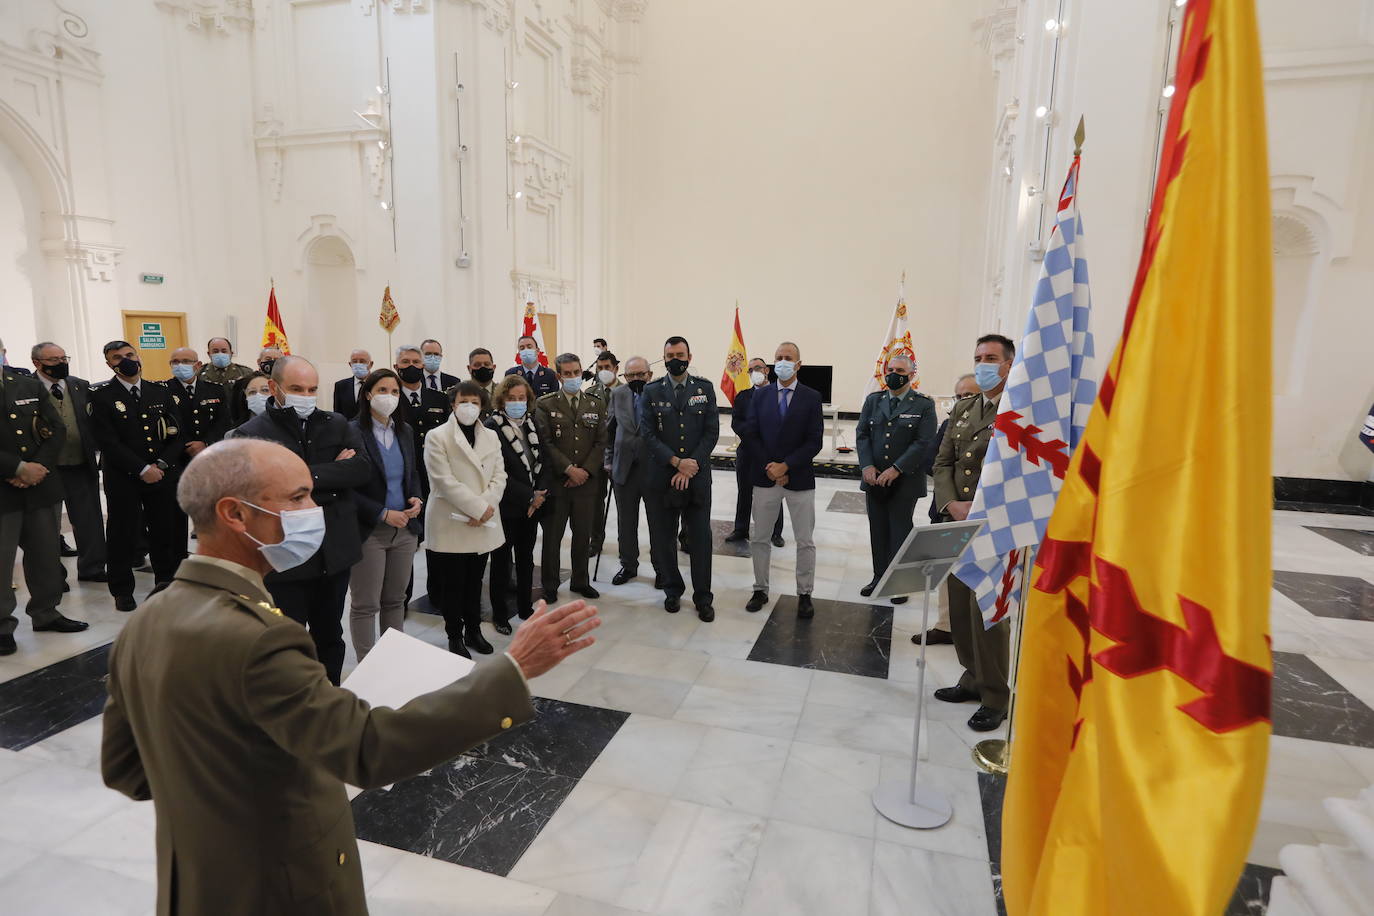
[993,755]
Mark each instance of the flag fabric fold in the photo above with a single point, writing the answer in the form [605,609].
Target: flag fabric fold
[273,329]
[735,378]
[529,327]
[1040,418]
[896,340]
[1143,720]
[389,316]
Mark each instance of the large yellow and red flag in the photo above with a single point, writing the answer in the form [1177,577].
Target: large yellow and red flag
[388,318]
[736,376]
[273,331]
[1142,731]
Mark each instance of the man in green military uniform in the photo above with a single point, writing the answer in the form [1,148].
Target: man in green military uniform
[572,432]
[605,380]
[220,713]
[222,369]
[896,427]
[31,437]
[983,653]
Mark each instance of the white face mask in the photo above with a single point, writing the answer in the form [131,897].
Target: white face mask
[758,379]
[467,413]
[605,376]
[385,404]
[257,403]
[302,404]
[302,532]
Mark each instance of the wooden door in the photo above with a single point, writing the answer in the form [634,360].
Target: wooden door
[548,323]
[155,335]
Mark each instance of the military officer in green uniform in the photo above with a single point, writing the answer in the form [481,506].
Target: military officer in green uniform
[220,713]
[896,427]
[983,653]
[222,369]
[572,432]
[31,437]
[604,381]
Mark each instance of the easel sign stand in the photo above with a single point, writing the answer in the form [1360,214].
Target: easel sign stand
[921,564]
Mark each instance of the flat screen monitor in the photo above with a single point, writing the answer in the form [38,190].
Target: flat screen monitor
[821,378]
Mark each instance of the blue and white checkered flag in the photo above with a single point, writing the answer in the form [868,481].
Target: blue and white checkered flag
[1044,409]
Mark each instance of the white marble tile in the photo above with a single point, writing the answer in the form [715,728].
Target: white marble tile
[964,835]
[554,684]
[627,692]
[648,754]
[1299,802]
[806,870]
[661,629]
[1271,836]
[420,886]
[734,770]
[1299,758]
[52,802]
[568,905]
[78,746]
[865,730]
[1362,759]
[377,860]
[124,842]
[853,691]
[918,882]
[55,886]
[828,787]
[13,857]
[12,763]
[678,665]
[755,711]
[728,637]
[737,674]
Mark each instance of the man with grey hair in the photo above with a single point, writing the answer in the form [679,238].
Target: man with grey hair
[572,433]
[346,389]
[895,433]
[312,590]
[219,710]
[628,460]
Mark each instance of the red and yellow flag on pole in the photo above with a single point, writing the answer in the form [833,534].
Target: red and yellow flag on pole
[1139,751]
[736,376]
[273,330]
[389,317]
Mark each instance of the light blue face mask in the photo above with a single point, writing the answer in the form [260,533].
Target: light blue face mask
[572,385]
[360,370]
[432,361]
[784,369]
[220,360]
[987,375]
[183,372]
[529,356]
[302,532]
[516,410]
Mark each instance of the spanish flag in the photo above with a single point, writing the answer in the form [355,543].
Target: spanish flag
[1143,725]
[389,317]
[736,376]
[273,330]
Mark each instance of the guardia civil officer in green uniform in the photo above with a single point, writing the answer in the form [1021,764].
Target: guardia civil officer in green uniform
[222,369]
[572,433]
[896,427]
[605,380]
[221,714]
[31,437]
[680,425]
[983,653]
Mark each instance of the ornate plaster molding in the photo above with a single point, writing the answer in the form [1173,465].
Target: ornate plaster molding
[219,16]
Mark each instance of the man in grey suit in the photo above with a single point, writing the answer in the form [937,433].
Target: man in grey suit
[628,461]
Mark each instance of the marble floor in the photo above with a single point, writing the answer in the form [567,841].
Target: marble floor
[679,767]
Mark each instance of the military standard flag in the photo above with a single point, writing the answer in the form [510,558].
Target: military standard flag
[896,340]
[1143,723]
[389,317]
[273,329]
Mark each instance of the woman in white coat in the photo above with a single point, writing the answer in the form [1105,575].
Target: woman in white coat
[467,477]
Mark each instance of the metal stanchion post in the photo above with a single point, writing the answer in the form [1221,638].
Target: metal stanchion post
[994,754]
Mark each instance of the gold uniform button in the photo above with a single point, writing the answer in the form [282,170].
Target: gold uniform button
[343,857]
[14,416]
[965,489]
[968,454]
[967,472]
[506,723]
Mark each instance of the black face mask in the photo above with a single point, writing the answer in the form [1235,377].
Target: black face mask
[411,374]
[896,381]
[129,367]
[266,366]
[483,374]
[637,385]
[58,372]
[676,366]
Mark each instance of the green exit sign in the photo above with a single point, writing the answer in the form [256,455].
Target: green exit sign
[152,278]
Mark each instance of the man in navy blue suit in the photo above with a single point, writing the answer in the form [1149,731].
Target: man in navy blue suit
[783,433]
[543,379]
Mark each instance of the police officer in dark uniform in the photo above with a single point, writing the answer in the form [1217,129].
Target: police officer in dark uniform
[680,425]
[896,428]
[572,433]
[423,409]
[203,408]
[984,653]
[142,444]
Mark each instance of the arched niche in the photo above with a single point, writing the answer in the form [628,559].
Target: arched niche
[331,307]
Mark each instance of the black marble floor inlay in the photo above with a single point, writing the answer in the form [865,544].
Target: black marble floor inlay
[843,636]
[848,501]
[42,703]
[1252,891]
[1344,597]
[1309,703]
[1362,542]
[720,530]
[1324,508]
[484,808]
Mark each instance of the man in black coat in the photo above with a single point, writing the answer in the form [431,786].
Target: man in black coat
[423,409]
[203,407]
[744,487]
[346,389]
[313,592]
[77,462]
[542,378]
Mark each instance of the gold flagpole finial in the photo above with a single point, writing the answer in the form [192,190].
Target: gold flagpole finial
[1078,136]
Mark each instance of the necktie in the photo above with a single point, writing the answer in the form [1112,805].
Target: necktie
[133,394]
[57,391]
[433,384]
[786,398]
[415,399]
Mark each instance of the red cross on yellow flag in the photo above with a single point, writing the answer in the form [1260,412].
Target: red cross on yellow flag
[1143,725]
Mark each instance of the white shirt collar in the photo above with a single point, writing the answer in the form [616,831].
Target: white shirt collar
[129,386]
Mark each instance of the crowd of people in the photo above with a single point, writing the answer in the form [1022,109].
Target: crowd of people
[474,469]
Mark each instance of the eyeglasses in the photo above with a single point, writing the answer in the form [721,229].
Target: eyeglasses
[55,360]
[634,375]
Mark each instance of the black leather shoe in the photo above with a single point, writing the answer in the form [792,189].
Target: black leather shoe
[159,586]
[527,613]
[736,535]
[67,549]
[985,719]
[551,598]
[125,603]
[937,638]
[587,592]
[8,645]
[805,609]
[706,613]
[625,575]
[93,577]
[756,602]
[457,648]
[778,541]
[477,642]
[956,694]
[61,625]
[868,589]
[672,604]
[501,627]
[900,599]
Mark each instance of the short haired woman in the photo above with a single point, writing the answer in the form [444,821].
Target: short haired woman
[467,478]
[527,487]
[248,397]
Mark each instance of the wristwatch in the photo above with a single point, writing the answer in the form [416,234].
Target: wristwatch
[162,465]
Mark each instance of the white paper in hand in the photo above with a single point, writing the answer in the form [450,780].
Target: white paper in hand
[489,523]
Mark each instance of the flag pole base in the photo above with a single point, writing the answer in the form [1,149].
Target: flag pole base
[924,808]
[991,756]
